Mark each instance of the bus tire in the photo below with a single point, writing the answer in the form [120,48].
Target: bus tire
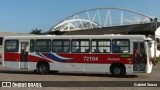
[43,68]
[117,70]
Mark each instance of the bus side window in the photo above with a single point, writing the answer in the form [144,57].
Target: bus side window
[75,46]
[11,45]
[80,46]
[100,45]
[61,45]
[84,46]
[32,44]
[96,50]
[43,45]
[120,46]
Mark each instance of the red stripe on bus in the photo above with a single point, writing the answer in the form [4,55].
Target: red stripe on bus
[10,56]
[77,58]
[98,58]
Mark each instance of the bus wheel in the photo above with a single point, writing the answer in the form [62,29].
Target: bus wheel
[117,70]
[43,68]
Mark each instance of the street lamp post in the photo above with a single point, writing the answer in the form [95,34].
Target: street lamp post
[155,22]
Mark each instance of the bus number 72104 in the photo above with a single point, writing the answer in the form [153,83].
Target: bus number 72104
[90,58]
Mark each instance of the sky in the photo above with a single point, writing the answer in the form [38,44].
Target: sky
[27,15]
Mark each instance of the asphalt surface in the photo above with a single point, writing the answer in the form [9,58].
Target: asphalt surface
[7,74]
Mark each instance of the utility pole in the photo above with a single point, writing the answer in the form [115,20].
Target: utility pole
[155,42]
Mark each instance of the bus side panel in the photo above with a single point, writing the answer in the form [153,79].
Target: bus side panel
[105,68]
[81,62]
[11,56]
[98,58]
[11,59]
[84,62]
[32,65]
[97,68]
[81,58]
[67,66]
[37,58]
[129,68]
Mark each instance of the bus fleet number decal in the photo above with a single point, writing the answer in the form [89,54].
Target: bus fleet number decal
[90,58]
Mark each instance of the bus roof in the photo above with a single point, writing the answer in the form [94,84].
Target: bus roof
[109,36]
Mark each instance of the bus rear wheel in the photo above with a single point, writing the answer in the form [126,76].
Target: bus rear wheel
[43,68]
[117,70]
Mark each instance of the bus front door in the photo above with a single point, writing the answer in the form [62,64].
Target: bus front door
[140,58]
[24,45]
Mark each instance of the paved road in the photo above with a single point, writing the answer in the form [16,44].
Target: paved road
[18,75]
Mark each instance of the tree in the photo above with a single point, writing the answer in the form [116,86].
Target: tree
[56,32]
[36,31]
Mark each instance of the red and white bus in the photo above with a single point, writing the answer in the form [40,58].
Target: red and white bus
[115,54]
